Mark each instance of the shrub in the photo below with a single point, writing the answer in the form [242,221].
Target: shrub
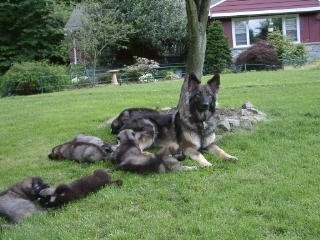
[260,55]
[218,54]
[33,77]
[141,67]
[146,78]
[288,52]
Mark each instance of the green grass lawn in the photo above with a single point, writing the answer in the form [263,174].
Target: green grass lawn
[273,192]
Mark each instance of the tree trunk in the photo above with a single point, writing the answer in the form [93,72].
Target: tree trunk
[197,15]
[95,59]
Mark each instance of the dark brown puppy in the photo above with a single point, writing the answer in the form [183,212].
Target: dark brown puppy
[65,193]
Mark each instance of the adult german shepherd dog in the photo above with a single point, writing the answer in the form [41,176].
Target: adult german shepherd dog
[192,126]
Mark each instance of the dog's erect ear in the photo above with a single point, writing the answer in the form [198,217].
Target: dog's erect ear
[214,82]
[193,81]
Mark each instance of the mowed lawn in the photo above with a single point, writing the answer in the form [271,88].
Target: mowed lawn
[272,192]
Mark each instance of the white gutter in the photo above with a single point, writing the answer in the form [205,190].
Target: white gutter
[264,12]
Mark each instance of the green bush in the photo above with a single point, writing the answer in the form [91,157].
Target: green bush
[33,77]
[218,53]
[288,52]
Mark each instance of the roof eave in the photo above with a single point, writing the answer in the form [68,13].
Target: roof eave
[264,12]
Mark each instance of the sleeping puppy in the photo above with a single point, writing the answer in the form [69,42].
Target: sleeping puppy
[65,193]
[128,114]
[82,149]
[128,156]
[20,200]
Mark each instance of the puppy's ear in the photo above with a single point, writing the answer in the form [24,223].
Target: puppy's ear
[193,81]
[214,82]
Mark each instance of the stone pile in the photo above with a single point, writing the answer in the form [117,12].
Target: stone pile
[245,117]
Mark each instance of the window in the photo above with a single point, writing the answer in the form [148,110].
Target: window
[246,31]
[290,26]
[241,33]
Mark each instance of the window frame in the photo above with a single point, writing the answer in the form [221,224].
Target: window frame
[246,19]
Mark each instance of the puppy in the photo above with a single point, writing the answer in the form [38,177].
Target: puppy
[20,200]
[128,156]
[82,149]
[65,193]
[129,114]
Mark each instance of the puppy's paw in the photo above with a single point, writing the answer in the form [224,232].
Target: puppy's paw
[232,159]
[205,164]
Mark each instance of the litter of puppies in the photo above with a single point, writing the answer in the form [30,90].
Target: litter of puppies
[179,133]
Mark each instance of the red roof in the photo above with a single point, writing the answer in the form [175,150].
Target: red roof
[228,8]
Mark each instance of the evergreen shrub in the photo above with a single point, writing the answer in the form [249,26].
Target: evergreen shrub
[218,53]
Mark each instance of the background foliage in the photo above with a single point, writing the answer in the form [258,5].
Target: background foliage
[32,30]
[160,26]
[101,30]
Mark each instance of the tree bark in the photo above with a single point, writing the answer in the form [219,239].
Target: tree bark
[197,15]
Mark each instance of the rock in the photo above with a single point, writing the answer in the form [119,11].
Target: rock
[245,117]
[224,125]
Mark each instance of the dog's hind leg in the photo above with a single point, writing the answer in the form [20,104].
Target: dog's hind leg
[213,148]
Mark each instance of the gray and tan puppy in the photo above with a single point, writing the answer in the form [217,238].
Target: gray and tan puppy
[128,156]
[20,200]
[82,149]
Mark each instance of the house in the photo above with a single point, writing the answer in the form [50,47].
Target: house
[244,21]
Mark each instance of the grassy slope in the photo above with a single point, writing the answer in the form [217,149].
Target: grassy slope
[271,193]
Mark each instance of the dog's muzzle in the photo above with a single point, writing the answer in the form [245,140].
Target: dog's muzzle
[204,106]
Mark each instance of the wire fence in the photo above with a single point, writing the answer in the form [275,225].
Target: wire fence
[88,78]
[103,76]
